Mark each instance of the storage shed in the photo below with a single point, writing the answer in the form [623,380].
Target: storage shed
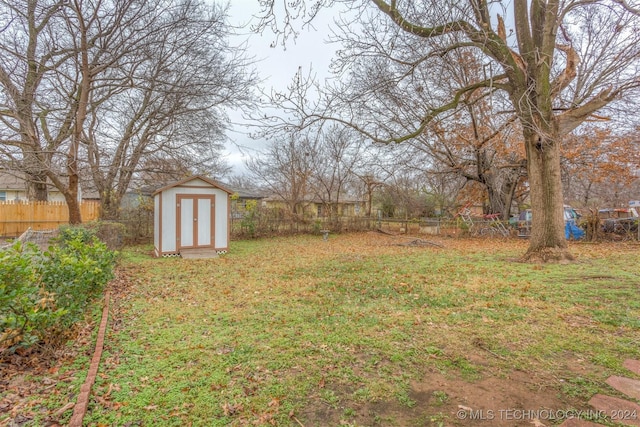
[191,216]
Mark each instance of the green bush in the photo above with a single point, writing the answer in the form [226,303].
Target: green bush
[26,308]
[77,270]
[68,234]
[43,294]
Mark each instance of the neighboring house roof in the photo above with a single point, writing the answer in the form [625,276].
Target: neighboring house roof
[243,193]
[9,181]
[90,193]
[192,178]
[16,181]
[147,190]
[276,198]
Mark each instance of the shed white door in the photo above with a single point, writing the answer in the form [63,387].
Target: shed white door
[195,221]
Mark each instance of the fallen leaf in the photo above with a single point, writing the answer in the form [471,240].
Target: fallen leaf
[231,409]
[274,403]
[48,381]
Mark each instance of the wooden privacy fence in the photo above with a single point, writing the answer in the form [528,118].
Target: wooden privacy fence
[17,217]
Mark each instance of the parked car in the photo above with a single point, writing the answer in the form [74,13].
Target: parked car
[619,221]
[571,219]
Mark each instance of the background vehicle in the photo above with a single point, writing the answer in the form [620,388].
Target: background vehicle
[571,219]
[619,221]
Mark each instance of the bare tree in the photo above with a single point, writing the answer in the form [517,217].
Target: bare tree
[410,183]
[564,61]
[475,140]
[444,188]
[339,157]
[166,98]
[28,53]
[285,169]
[110,83]
[54,53]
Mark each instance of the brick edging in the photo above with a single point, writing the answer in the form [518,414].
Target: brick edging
[82,402]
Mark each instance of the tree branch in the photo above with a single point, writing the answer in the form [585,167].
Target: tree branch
[426,32]
[572,118]
[570,71]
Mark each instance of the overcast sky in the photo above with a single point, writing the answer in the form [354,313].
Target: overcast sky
[276,65]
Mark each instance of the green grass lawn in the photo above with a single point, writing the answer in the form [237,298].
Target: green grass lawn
[360,331]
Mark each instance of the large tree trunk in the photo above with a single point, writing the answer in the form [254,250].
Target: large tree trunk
[500,182]
[82,102]
[548,241]
[508,191]
[36,176]
[110,207]
[37,187]
[70,193]
[501,197]
[75,216]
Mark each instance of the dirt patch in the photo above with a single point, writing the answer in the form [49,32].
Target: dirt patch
[517,399]
[510,401]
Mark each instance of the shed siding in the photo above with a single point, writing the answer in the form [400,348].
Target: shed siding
[222,220]
[168,221]
[157,225]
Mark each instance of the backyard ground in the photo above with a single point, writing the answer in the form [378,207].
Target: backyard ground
[358,330]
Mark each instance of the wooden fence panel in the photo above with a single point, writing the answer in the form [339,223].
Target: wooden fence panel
[17,217]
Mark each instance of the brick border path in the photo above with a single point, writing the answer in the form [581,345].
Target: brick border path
[80,408]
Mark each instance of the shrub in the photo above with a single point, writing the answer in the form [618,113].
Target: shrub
[72,233]
[249,218]
[137,223]
[111,233]
[43,294]
[26,307]
[77,270]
